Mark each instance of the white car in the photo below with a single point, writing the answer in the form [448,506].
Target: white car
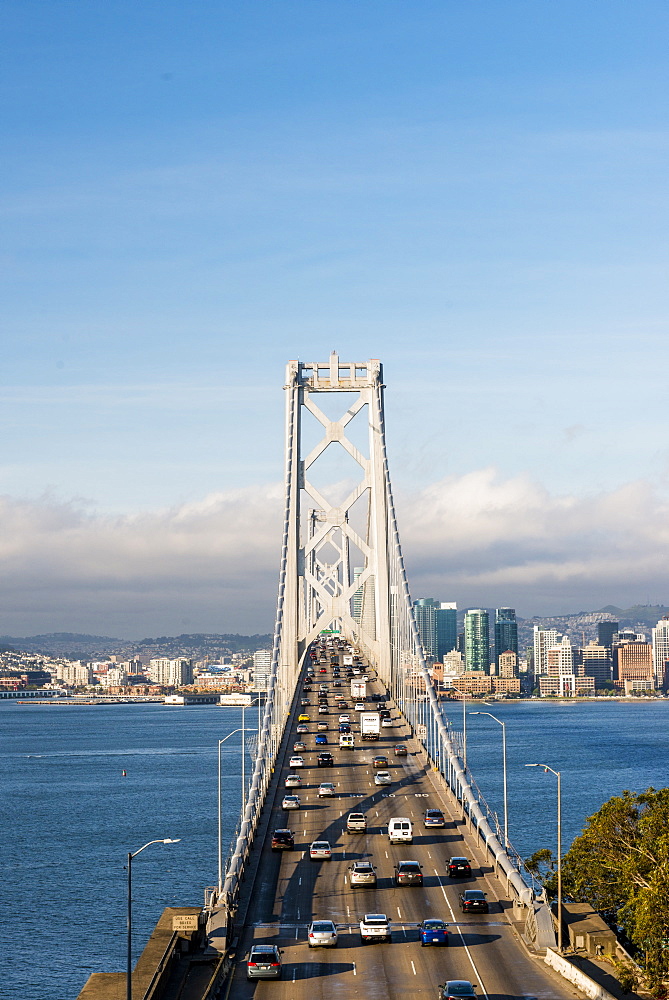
[326,790]
[293,781]
[375,927]
[359,706]
[296,762]
[291,802]
[322,934]
[322,727]
[322,710]
[320,850]
[383,778]
[344,718]
[387,723]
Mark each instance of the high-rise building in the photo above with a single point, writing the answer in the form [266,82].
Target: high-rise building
[425,612]
[262,665]
[477,640]
[596,662]
[661,652]
[560,658]
[544,638]
[605,633]
[633,661]
[506,632]
[447,629]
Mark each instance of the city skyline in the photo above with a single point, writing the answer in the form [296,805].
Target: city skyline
[474,194]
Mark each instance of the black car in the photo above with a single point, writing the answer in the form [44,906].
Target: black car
[408,873]
[384,713]
[473,901]
[325,760]
[458,867]
[283,840]
[457,989]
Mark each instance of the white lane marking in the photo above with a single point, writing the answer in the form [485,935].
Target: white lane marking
[469,954]
[348,912]
[355,971]
[299,881]
[399,913]
[304,834]
[294,973]
[376,811]
[296,932]
[429,855]
[386,853]
[298,913]
[414,969]
[345,880]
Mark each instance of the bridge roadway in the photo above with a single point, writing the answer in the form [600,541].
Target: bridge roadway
[290,890]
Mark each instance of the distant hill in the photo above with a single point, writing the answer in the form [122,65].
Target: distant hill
[648,614]
[75,646]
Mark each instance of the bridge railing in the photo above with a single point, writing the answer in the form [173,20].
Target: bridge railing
[414,694]
[280,691]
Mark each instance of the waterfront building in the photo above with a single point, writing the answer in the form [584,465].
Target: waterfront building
[596,662]
[474,683]
[633,661]
[170,673]
[660,640]
[560,659]
[477,640]
[544,638]
[506,632]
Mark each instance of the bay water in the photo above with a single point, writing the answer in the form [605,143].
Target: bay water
[69,815]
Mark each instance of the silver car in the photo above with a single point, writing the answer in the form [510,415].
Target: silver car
[383,778]
[322,934]
[291,802]
[264,962]
[362,873]
[320,850]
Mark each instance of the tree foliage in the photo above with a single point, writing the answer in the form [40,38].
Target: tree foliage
[620,865]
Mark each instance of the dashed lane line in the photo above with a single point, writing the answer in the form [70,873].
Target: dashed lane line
[469,954]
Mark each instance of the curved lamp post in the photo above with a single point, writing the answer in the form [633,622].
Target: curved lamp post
[220,808]
[559,846]
[506,810]
[131,855]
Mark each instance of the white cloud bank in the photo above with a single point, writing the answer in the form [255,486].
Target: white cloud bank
[212,566]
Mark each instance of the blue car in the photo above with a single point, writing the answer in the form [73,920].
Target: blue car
[321,740]
[433,931]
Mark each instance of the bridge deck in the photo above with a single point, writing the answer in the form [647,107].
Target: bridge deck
[290,890]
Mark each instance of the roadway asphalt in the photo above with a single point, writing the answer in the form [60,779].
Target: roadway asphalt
[290,890]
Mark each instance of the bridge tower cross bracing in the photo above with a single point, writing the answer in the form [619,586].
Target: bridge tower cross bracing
[337,564]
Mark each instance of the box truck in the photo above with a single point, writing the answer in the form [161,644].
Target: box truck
[358,689]
[370,725]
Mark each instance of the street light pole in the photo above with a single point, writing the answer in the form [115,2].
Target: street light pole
[506,804]
[558,775]
[131,855]
[220,808]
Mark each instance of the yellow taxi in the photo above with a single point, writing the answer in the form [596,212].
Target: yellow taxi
[303,718]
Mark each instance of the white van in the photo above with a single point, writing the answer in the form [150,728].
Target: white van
[346,741]
[400,830]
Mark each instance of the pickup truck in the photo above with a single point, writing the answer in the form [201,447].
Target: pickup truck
[356,823]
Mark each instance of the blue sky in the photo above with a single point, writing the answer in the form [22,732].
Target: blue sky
[193,194]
